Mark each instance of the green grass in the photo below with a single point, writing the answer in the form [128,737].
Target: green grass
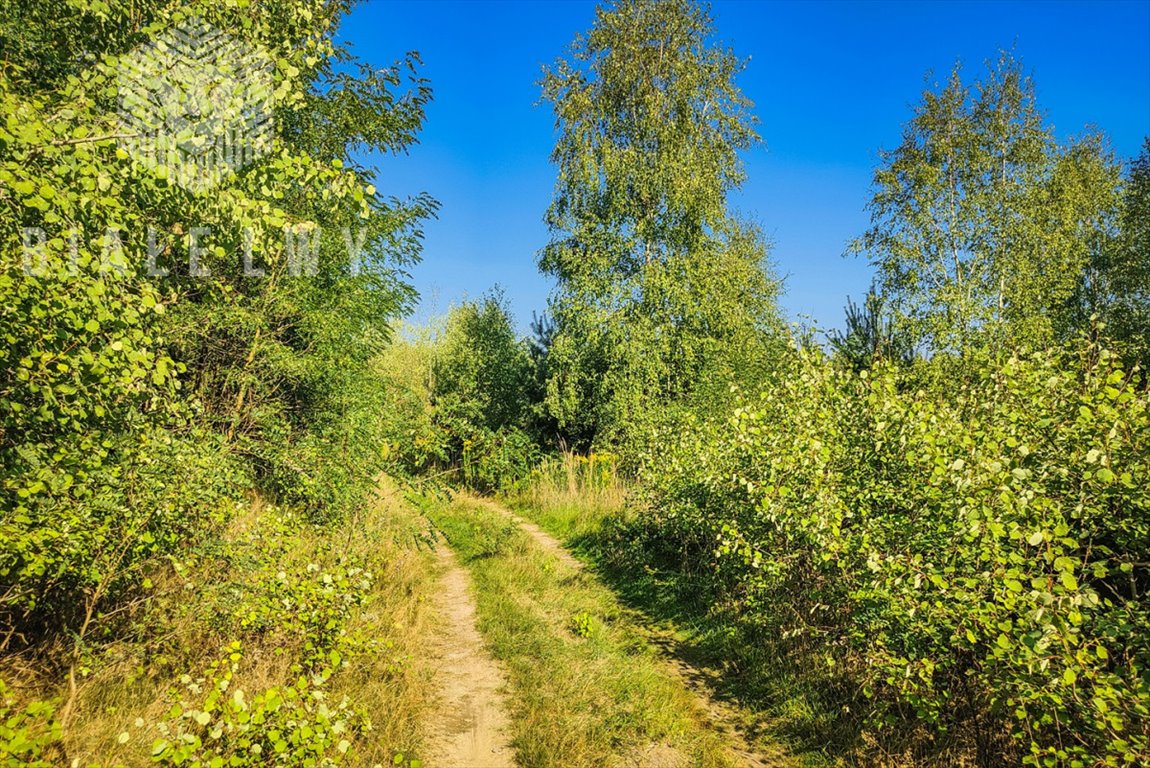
[771,696]
[588,688]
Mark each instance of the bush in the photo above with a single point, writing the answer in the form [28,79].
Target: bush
[491,460]
[966,541]
[304,611]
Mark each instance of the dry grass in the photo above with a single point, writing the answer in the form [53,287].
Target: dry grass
[180,629]
[570,495]
[395,686]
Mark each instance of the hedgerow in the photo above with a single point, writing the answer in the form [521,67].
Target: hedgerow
[966,542]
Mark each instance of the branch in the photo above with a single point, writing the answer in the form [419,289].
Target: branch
[93,139]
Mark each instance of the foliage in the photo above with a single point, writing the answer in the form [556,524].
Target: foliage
[134,403]
[461,397]
[481,368]
[1116,285]
[415,444]
[284,725]
[981,225]
[583,624]
[966,546]
[870,336]
[305,610]
[142,396]
[959,539]
[482,378]
[659,285]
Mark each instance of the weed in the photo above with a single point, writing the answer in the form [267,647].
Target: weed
[583,624]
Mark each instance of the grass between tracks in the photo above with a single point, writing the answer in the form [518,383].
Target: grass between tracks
[783,716]
[588,688]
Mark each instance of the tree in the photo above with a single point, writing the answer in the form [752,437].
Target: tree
[1116,285]
[481,384]
[981,225]
[481,371]
[656,279]
[135,406]
[1132,274]
[870,336]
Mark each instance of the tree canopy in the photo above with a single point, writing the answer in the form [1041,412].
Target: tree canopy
[981,223]
[659,284]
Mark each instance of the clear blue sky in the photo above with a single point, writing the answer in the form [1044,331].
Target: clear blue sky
[832,83]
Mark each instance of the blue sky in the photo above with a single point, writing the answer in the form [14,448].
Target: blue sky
[832,83]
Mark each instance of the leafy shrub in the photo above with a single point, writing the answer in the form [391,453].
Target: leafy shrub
[494,460]
[304,611]
[29,734]
[966,541]
[286,725]
[71,547]
[583,624]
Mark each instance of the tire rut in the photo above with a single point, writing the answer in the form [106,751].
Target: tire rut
[471,728]
[718,714]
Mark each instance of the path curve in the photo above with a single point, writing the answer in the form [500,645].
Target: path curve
[471,728]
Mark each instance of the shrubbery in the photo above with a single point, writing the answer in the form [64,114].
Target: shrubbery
[135,401]
[966,542]
[144,400]
[29,733]
[303,609]
[461,399]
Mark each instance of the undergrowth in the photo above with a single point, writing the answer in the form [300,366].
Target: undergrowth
[277,643]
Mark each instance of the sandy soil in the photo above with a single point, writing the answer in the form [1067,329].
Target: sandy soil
[471,728]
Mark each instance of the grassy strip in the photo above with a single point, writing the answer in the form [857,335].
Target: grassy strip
[586,509]
[588,689]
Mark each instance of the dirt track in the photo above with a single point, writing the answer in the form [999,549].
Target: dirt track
[471,729]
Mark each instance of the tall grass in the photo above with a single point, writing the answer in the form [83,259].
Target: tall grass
[571,495]
[128,687]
